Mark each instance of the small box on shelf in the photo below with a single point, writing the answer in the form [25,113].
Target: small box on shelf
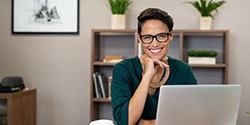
[201,60]
[202,57]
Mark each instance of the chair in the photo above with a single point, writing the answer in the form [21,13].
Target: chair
[102,122]
[11,81]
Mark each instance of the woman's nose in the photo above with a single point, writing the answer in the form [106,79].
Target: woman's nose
[155,42]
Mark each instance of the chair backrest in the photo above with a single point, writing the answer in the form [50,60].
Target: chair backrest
[102,122]
[13,81]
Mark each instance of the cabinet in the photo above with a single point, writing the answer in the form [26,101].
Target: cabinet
[124,43]
[21,107]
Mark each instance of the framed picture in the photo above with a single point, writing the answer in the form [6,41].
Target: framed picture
[45,16]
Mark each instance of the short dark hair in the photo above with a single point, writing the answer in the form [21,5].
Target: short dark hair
[154,13]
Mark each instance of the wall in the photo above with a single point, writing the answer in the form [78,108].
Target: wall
[59,65]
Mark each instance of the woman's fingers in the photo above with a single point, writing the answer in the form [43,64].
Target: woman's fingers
[149,63]
[160,63]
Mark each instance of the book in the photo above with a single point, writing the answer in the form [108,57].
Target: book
[96,86]
[9,89]
[109,86]
[113,59]
[101,82]
[99,91]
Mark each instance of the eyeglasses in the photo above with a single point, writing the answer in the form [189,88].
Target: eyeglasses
[161,38]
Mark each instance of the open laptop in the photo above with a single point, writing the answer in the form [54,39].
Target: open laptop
[198,104]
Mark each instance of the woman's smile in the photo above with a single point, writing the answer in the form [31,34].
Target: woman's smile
[156,50]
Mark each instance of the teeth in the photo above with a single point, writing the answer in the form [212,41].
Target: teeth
[155,51]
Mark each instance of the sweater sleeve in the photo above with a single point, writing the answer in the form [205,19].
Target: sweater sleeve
[120,94]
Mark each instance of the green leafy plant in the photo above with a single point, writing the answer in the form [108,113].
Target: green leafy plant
[206,7]
[202,53]
[248,113]
[119,6]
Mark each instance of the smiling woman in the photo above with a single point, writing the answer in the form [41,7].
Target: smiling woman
[136,81]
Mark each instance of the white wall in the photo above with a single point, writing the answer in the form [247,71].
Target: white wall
[59,65]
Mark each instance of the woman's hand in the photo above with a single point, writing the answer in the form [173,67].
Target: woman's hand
[151,65]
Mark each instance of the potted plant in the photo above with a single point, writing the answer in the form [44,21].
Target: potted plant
[202,56]
[118,9]
[205,8]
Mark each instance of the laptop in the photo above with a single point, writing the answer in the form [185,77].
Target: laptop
[198,104]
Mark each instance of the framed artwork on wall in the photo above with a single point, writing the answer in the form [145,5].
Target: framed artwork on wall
[45,16]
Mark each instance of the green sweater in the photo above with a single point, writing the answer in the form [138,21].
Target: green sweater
[126,77]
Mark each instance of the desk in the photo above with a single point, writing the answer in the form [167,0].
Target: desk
[21,107]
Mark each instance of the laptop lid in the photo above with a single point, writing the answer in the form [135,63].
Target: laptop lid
[198,104]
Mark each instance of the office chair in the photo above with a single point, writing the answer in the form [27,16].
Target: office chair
[10,81]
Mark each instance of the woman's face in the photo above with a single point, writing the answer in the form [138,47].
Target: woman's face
[155,49]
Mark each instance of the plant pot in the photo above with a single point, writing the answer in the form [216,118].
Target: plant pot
[118,21]
[201,60]
[205,23]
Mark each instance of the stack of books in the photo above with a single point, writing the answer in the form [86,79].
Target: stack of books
[101,85]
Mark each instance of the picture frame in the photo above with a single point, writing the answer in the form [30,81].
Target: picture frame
[45,17]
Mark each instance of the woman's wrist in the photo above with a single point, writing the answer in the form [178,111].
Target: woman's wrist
[147,77]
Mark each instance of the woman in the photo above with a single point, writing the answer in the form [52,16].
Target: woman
[136,81]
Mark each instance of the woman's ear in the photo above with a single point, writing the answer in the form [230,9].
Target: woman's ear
[171,36]
[138,38]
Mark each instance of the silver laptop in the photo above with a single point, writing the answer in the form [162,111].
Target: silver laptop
[198,104]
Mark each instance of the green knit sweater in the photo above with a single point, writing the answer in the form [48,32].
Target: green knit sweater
[126,77]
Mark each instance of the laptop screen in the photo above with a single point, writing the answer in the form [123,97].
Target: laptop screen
[198,104]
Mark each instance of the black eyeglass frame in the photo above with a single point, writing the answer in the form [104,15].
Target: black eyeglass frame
[155,36]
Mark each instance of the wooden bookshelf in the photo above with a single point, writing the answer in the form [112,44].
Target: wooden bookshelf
[124,43]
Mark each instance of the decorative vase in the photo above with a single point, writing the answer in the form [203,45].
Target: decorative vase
[118,21]
[201,60]
[205,23]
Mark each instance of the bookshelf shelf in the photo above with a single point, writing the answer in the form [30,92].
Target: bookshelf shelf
[208,66]
[102,100]
[124,43]
[100,63]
